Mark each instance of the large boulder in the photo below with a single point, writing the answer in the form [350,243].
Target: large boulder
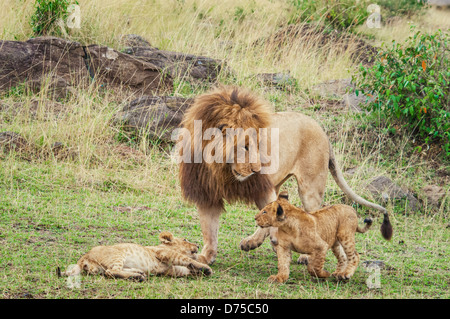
[48,60]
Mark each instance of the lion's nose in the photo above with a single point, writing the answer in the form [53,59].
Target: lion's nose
[256,169]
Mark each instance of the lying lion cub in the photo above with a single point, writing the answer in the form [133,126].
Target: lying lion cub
[174,257]
[313,234]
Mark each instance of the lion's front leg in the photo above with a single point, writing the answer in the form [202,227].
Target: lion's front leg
[257,238]
[209,222]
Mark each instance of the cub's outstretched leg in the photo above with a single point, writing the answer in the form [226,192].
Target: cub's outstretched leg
[178,271]
[177,259]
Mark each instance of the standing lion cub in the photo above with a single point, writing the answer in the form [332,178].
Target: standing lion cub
[313,234]
[173,257]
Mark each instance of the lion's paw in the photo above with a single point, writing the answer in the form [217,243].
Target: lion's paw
[276,278]
[249,243]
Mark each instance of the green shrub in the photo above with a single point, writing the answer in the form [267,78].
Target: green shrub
[411,84]
[342,14]
[46,15]
[346,14]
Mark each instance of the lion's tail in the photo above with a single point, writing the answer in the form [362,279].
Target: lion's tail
[386,227]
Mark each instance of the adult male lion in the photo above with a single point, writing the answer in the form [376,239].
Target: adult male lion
[304,152]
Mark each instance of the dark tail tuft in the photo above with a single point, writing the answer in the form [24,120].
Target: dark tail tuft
[386,227]
[58,272]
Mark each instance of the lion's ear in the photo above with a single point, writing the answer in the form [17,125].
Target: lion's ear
[284,195]
[165,237]
[280,212]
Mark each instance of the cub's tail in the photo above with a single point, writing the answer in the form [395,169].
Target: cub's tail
[368,223]
[386,227]
[72,270]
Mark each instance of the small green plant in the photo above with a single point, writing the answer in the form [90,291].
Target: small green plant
[46,16]
[411,83]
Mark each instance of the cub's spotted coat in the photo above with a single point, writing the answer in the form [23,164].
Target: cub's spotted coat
[173,257]
[313,234]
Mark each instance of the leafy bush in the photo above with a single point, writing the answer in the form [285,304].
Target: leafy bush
[346,14]
[46,16]
[411,84]
[343,14]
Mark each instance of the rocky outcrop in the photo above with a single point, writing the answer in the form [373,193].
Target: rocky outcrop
[62,64]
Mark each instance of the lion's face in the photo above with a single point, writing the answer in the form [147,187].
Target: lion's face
[224,166]
[246,162]
[180,245]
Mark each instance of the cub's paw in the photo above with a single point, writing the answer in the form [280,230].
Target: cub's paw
[198,269]
[207,271]
[303,259]
[341,276]
[137,277]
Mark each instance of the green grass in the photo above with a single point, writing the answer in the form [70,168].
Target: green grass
[48,221]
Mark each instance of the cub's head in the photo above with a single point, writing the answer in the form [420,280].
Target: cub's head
[273,213]
[180,245]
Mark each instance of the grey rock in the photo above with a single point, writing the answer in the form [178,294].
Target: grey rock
[156,116]
[434,194]
[384,188]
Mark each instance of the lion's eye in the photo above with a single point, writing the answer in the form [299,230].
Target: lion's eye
[264,212]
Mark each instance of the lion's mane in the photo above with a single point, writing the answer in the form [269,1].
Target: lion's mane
[210,184]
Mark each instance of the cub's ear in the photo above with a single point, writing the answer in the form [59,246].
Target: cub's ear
[280,213]
[283,195]
[165,237]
